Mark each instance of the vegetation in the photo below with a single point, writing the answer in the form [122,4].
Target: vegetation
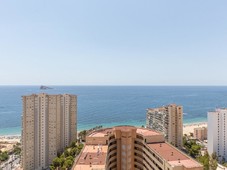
[3,156]
[82,135]
[209,162]
[66,159]
[17,149]
[192,148]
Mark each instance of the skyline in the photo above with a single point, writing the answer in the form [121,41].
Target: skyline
[113,43]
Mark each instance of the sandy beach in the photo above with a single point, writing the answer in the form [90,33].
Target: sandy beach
[7,142]
[189,128]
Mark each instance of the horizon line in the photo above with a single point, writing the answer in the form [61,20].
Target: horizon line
[119,85]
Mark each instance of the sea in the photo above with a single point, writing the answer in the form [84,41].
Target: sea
[115,105]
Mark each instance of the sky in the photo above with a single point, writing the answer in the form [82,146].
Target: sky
[113,42]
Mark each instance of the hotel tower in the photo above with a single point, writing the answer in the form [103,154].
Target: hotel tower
[131,148]
[168,120]
[217,133]
[48,126]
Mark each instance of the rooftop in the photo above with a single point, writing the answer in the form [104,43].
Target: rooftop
[139,130]
[101,132]
[173,156]
[162,108]
[92,157]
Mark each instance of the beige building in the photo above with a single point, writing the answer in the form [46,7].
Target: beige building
[131,148]
[48,126]
[200,133]
[168,120]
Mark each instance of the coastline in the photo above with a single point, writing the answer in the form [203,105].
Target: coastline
[187,129]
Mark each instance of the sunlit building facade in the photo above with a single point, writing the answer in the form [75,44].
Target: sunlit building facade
[131,148]
[48,126]
[168,120]
[217,133]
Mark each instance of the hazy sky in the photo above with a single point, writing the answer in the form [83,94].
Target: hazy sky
[113,42]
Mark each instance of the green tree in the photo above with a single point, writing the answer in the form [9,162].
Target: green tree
[16,149]
[82,135]
[56,162]
[52,167]
[205,160]
[213,161]
[4,156]
[73,144]
[66,153]
[195,150]
[80,146]
[70,158]
[74,151]
[68,163]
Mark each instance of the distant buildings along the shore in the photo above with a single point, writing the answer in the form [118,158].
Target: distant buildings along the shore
[48,126]
[200,133]
[168,120]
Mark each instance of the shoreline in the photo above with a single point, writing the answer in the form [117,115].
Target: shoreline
[187,129]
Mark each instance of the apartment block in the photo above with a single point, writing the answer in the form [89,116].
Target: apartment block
[200,133]
[217,133]
[48,126]
[131,148]
[169,121]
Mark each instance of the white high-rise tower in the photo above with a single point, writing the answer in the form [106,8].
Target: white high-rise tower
[217,133]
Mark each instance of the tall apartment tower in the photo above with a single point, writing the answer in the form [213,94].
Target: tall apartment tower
[217,133]
[48,126]
[168,120]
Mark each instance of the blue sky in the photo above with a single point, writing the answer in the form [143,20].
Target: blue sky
[118,42]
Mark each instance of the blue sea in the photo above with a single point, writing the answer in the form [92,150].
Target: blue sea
[115,105]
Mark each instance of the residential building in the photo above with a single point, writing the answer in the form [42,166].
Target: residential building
[131,148]
[200,133]
[48,126]
[217,133]
[168,120]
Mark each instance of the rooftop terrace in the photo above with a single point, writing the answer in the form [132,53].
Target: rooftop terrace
[92,157]
[173,155]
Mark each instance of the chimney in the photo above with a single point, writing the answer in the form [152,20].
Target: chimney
[178,160]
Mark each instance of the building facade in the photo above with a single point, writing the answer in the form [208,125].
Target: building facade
[131,148]
[168,120]
[48,126]
[217,133]
[200,133]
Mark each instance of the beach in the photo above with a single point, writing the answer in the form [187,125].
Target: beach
[8,141]
[189,128]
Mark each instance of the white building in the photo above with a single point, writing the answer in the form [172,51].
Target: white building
[217,133]
[48,126]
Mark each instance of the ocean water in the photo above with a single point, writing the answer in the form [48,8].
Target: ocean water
[115,105]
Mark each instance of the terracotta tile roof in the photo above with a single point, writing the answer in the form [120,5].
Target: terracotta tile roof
[91,157]
[173,156]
